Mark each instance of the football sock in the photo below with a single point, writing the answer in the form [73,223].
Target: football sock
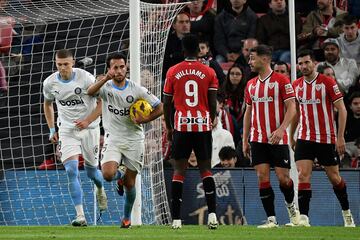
[79,210]
[288,191]
[71,167]
[117,175]
[130,195]
[267,198]
[341,194]
[304,196]
[176,195]
[209,188]
[95,175]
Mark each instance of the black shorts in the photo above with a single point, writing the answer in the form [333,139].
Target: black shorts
[185,142]
[325,153]
[275,155]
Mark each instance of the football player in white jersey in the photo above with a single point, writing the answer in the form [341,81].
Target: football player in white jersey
[124,137]
[78,123]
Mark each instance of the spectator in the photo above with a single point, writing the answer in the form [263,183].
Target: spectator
[327,70]
[233,90]
[231,28]
[243,59]
[273,29]
[325,22]
[352,130]
[228,157]
[349,41]
[173,50]
[221,138]
[205,56]
[202,21]
[346,70]
[224,116]
[282,68]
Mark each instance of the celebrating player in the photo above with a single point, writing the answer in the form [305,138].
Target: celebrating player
[78,124]
[191,87]
[316,96]
[124,137]
[270,108]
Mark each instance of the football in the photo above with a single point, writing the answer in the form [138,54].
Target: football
[140,107]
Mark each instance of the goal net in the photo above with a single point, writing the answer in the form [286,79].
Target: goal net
[30,34]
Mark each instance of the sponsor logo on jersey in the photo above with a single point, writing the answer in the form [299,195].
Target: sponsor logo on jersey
[71,102]
[262,99]
[57,92]
[193,120]
[77,90]
[308,101]
[120,112]
[130,99]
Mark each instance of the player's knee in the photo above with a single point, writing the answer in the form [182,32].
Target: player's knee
[129,183]
[304,177]
[108,176]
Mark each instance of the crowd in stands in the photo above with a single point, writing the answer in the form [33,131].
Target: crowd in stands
[227,33]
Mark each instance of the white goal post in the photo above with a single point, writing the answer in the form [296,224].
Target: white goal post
[91,29]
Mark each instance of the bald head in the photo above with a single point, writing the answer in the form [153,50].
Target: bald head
[248,44]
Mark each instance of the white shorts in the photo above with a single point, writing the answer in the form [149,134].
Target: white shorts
[86,142]
[130,154]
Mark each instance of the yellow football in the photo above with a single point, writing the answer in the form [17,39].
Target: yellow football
[140,107]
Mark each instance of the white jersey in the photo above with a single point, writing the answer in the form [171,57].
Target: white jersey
[71,97]
[116,109]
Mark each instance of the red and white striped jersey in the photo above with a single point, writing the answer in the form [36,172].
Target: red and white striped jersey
[316,98]
[189,82]
[267,99]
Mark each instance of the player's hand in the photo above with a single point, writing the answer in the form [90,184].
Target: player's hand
[276,136]
[109,75]
[169,135]
[53,136]
[81,124]
[139,119]
[292,144]
[340,146]
[246,148]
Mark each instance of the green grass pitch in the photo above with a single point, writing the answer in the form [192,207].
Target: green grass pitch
[188,232]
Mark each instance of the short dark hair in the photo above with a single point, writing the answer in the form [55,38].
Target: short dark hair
[306,52]
[227,152]
[190,44]
[354,95]
[321,68]
[114,56]
[349,19]
[283,63]
[262,50]
[64,53]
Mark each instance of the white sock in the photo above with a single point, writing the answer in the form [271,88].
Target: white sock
[79,210]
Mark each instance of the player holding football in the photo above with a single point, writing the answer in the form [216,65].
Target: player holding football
[316,96]
[78,124]
[270,106]
[124,137]
[191,87]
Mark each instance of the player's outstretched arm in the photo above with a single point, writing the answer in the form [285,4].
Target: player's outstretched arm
[84,123]
[49,116]
[155,113]
[342,114]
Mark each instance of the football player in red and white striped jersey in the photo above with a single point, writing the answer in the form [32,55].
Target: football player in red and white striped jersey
[191,88]
[316,96]
[270,107]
